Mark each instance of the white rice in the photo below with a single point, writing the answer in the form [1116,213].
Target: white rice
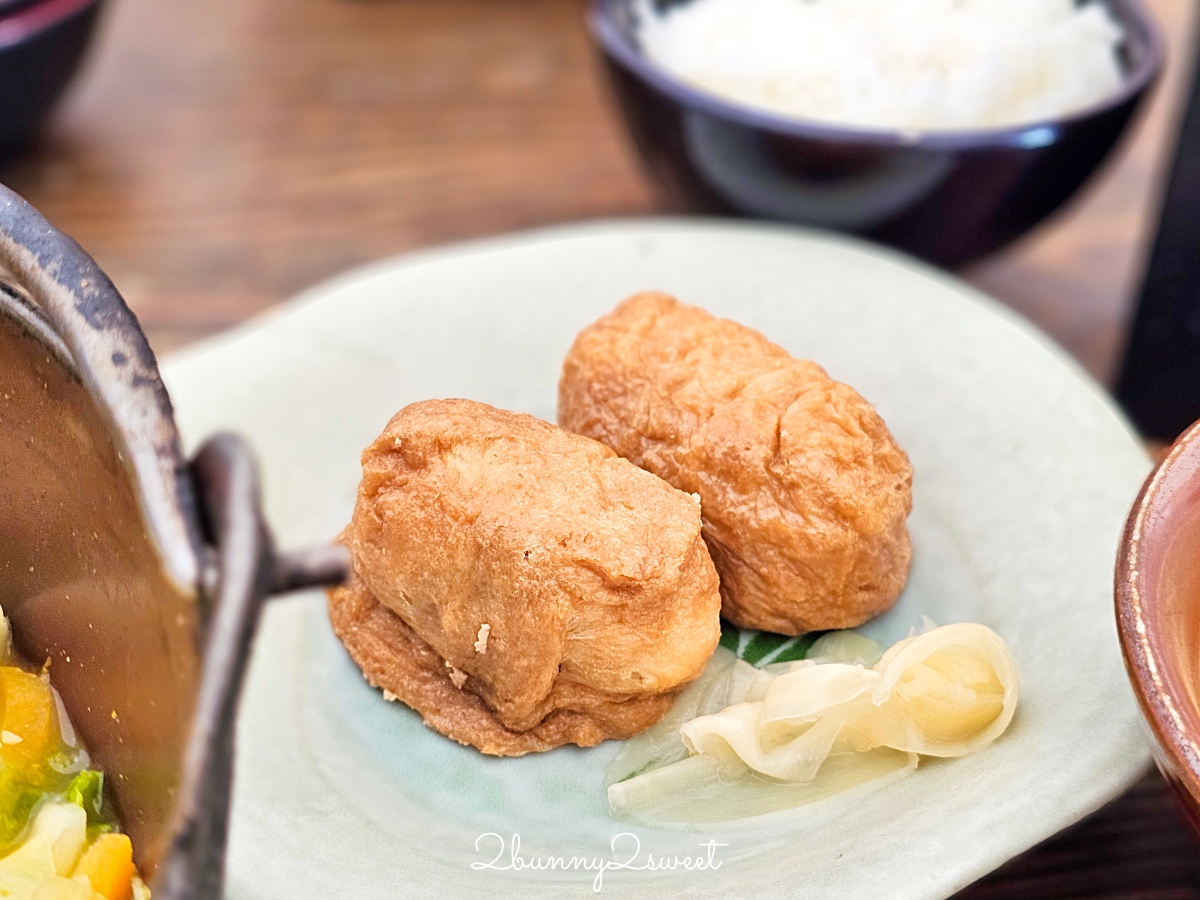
[911,65]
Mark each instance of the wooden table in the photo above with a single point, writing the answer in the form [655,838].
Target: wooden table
[220,155]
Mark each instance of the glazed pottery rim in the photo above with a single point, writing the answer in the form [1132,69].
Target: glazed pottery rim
[26,22]
[1029,135]
[1147,665]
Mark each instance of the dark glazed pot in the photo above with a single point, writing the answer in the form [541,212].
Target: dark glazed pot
[946,197]
[1158,614]
[138,574]
[42,44]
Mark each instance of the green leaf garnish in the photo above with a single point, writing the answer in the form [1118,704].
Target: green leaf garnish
[730,636]
[761,645]
[760,648]
[797,647]
[87,790]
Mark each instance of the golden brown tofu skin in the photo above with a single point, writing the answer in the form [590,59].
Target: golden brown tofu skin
[537,573]
[407,669]
[804,493]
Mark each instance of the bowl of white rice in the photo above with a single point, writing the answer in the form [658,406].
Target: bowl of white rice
[945,128]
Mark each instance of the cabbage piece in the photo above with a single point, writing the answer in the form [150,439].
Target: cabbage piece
[53,847]
[87,791]
[59,888]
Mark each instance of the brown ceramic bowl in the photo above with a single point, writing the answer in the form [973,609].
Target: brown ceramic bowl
[1158,613]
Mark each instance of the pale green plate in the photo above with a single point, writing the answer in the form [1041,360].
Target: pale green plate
[1024,474]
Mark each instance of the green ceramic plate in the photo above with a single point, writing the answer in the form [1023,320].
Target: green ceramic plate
[1024,474]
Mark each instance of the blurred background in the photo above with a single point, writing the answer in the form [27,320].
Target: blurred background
[216,156]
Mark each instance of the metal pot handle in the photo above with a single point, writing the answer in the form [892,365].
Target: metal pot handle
[242,571]
[204,517]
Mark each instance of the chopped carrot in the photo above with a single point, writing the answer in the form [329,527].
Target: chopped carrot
[30,723]
[108,865]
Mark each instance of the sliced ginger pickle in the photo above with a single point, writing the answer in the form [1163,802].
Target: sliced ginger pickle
[949,692]
[949,702]
[826,726]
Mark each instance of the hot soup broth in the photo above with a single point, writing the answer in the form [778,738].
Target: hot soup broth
[59,837]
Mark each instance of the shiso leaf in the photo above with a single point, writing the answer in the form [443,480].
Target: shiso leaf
[761,645]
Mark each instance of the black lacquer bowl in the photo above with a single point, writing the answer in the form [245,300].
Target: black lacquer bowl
[42,43]
[948,197]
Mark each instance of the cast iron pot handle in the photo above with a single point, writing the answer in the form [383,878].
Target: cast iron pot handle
[205,518]
[242,569]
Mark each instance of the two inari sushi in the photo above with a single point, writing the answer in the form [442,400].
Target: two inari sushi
[524,586]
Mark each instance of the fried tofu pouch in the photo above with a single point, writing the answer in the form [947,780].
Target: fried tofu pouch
[519,586]
[804,493]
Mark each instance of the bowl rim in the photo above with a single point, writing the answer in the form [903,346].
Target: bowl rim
[8,7]
[1029,135]
[25,22]
[1145,664]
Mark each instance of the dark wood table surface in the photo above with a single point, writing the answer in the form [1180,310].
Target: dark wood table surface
[219,155]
